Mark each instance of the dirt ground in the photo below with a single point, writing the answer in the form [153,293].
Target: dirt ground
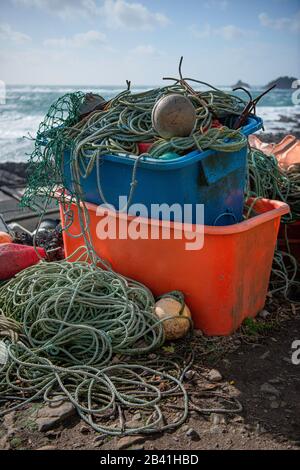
[259,373]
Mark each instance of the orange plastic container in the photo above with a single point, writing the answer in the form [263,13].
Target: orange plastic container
[224,282]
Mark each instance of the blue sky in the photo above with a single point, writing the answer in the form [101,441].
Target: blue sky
[95,42]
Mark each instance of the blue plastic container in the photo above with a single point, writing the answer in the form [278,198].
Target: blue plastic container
[215,179]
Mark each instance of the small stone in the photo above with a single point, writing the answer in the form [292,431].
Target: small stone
[137,417]
[128,441]
[276,380]
[238,419]
[264,314]
[274,405]
[47,448]
[269,389]
[189,375]
[185,428]
[193,435]
[85,429]
[198,333]
[216,419]
[265,355]
[51,416]
[152,356]
[53,434]
[214,376]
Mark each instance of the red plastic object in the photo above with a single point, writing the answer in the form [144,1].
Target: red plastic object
[14,258]
[224,282]
[144,147]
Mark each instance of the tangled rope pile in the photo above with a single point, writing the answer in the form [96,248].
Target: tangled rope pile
[119,128]
[266,179]
[75,317]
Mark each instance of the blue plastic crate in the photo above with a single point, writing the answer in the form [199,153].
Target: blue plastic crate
[215,179]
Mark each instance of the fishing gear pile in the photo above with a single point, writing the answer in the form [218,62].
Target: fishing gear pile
[72,324]
[120,126]
[266,179]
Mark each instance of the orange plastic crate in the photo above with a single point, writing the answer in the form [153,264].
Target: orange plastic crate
[224,282]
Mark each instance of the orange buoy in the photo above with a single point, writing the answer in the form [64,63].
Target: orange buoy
[178,326]
[5,238]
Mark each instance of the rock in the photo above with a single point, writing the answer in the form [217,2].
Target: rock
[265,355]
[53,434]
[85,429]
[276,380]
[240,83]
[198,333]
[217,418]
[214,376]
[152,356]
[4,443]
[238,419]
[189,375]
[193,435]
[129,441]
[269,389]
[274,405]
[264,314]
[284,83]
[51,416]
[137,417]
[47,448]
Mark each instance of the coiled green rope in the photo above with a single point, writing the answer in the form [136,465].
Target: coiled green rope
[75,318]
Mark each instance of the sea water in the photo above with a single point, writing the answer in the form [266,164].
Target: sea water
[25,107]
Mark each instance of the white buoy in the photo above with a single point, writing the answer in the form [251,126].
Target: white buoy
[174,116]
[178,326]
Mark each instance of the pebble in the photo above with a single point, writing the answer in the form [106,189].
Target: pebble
[85,429]
[189,374]
[152,356]
[129,441]
[274,405]
[238,419]
[270,389]
[47,448]
[214,376]
[198,333]
[265,355]
[217,418]
[49,416]
[193,435]
[264,314]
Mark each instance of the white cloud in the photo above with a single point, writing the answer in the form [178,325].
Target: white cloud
[228,32]
[63,8]
[144,50]
[122,14]
[280,24]
[219,4]
[116,13]
[8,34]
[78,40]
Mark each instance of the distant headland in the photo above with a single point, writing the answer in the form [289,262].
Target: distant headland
[282,83]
